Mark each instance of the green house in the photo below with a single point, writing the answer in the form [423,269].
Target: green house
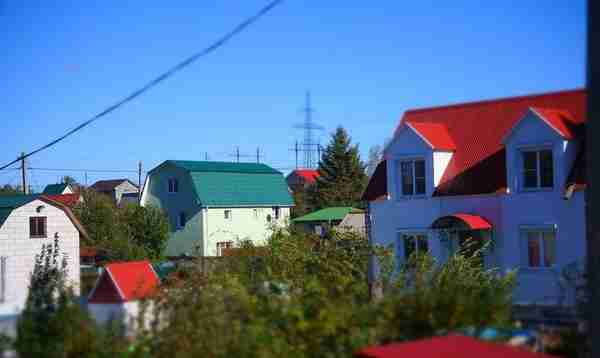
[213,205]
[343,218]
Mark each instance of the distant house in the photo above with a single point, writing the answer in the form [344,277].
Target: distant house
[58,189]
[212,204]
[129,198]
[69,200]
[26,223]
[301,178]
[119,289]
[346,219]
[115,188]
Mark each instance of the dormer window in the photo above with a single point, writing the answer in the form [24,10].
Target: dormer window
[538,169]
[412,176]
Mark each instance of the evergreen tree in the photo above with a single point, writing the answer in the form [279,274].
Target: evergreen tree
[342,177]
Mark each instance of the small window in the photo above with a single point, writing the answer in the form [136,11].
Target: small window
[255,212]
[540,248]
[269,218]
[538,169]
[37,226]
[227,214]
[181,220]
[223,245]
[173,185]
[276,212]
[412,176]
[3,279]
[413,243]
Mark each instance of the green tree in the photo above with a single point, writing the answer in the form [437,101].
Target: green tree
[147,227]
[7,189]
[342,176]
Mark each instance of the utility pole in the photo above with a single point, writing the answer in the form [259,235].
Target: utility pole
[85,180]
[140,182]
[237,154]
[308,126]
[23,174]
[257,154]
[206,156]
[296,150]
[592,192]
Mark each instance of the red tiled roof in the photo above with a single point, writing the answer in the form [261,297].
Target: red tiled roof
[477,129]
[310,175]
[435,134]
[132,280]
[69,200]
[453,346]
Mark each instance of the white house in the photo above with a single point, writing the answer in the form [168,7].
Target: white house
[507,170]
[118,291]
[26,223]
[211,205]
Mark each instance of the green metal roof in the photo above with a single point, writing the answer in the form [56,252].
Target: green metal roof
[10,202]
[223,167]
[327,214]
[54,189]
[226,184]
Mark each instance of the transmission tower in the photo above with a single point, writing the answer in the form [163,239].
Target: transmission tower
[308,146]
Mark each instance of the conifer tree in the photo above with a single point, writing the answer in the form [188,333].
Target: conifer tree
[342,176]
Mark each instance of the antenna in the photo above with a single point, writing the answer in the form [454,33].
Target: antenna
[308,146]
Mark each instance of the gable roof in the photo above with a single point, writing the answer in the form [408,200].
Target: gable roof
[309,175]
[222,184]
[434,134]
[55,189]
[126,281]
[327,214]
[377,186]
[12,202]
[478,165]
[109,185]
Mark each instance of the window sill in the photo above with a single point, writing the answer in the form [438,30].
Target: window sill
[540,269]
[411,197]
[535,190]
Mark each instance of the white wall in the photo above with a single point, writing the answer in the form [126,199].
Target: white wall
[21,250]
[244,224]
[508,213]
[127,313]
[440,163]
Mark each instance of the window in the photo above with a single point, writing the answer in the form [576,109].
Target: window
[37,226]
[412,174]
[3,279]
[181,220]
[540,246]
[173,185]
[255,211]
[276,212]
[538,169]
[221,246]
[227,214]
[413,242]
[269,218]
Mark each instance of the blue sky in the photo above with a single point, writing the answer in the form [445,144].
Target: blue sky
[365,63]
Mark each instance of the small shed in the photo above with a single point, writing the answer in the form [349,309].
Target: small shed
[321,221]
[452,346]
[120,288]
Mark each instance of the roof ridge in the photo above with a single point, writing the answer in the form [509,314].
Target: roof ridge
[494,100]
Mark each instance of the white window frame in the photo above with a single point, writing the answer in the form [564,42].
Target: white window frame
[524,230]
[172,185]
[227,214]
[411,160]
[400,252]
[223,245]
[521,169]
[3,278]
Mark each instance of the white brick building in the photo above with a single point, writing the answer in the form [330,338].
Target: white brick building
[26,223]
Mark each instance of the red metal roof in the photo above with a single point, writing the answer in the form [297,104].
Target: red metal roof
[310,175]
[129,280]
[69,200]
[477,129]
[453,346]
[561,121]
[474,222]
[435,134]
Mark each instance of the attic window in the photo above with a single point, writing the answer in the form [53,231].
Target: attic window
[37,227]
[412,176]
[538,169]
[173,185]
[227,214]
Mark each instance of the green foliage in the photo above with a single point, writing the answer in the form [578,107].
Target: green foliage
[7,189]
[124,233]
[342,176]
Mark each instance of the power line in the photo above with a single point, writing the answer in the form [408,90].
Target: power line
[217,44]
[85,170]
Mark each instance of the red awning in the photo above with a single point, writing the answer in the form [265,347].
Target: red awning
[473,222]
[454,346]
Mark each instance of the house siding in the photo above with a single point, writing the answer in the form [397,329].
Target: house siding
[21,250]
[123,188]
